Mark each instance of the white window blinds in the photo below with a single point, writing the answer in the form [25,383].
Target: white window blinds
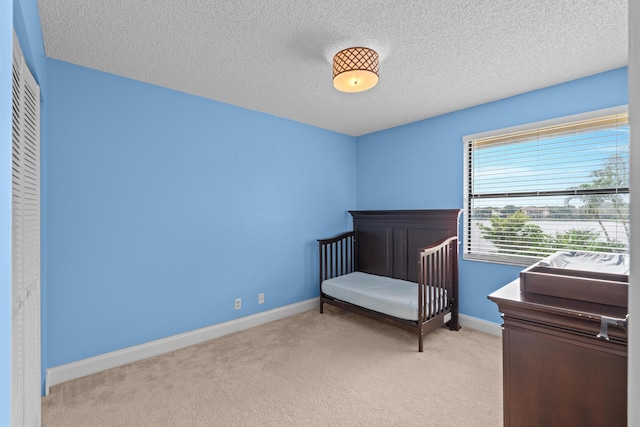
[562,186]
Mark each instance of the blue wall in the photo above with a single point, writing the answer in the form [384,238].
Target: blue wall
[420,165]
[164,207]
[6,12]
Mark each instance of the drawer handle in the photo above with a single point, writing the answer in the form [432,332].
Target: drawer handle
[605,322]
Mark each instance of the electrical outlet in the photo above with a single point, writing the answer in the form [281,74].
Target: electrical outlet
[260,298]
[238,304]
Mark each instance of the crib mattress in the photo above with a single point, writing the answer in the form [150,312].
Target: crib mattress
[394,297]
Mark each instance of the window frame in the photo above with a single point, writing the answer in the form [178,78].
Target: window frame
[468,175]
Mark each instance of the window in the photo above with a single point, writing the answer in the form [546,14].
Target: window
[555,185]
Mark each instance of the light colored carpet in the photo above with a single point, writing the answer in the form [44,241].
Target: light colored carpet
[312,369]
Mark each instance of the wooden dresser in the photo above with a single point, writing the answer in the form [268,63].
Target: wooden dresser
[556,371]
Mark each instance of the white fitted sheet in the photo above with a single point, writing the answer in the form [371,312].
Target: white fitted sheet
[394,297]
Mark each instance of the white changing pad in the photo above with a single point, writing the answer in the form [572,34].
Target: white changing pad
[394,297]
[588,261]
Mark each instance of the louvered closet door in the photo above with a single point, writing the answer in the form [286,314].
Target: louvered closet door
[25,280]
[31,248]
[17,280]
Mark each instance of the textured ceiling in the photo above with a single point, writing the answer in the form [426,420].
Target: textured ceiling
[274,56]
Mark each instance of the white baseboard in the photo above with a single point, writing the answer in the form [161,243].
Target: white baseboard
[81,368]
[480,325]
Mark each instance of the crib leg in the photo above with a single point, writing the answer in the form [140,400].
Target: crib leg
[420,346]
[454,323]
[321,307]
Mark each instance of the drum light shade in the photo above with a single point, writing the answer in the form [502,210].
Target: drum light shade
[355,69]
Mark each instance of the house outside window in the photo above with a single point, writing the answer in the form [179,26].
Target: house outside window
[558,185]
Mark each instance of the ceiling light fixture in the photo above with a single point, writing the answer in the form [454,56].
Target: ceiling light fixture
[355,69]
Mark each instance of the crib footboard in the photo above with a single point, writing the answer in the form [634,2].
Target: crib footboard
[337,257]
[438,286]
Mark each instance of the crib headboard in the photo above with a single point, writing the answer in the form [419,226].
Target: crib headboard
[387,242]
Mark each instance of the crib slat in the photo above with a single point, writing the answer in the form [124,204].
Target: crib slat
[326,263]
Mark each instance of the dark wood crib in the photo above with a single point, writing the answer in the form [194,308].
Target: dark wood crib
[419,246]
